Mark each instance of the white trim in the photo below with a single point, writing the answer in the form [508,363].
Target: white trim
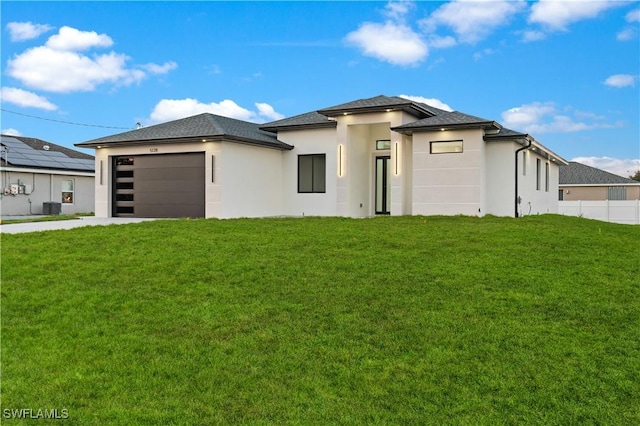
[47,171]
[604,185]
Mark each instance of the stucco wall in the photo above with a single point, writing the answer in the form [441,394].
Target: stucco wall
[250,181]
[46,187]
[537,201]
[313,141]
[452,183]
[500,175]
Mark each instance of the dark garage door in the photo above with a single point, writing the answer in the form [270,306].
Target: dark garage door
[163,185]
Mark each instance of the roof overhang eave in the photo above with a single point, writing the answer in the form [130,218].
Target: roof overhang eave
[432,128]
[275,129]
[600,184]
[191,139]
[410,108]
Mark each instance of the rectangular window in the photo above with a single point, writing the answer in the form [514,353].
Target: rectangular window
[538,174]
[560,194]
[383,144]
[524,163]
[67,191]
[311,173]
[617,193]
[546,176]
[446,147]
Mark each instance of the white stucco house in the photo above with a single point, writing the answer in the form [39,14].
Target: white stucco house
[380,155]
[40,177]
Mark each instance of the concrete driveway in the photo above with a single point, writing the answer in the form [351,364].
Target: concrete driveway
[18,228]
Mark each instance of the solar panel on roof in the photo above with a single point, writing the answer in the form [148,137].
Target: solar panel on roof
[22,154]
[57,154]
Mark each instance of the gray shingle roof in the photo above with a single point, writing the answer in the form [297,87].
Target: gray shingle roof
[21,151]
[381,103]
[581,174]
[308,120]
[206,126]
[445,119]
[505,133]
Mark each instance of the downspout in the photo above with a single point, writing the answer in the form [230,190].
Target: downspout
[516,176]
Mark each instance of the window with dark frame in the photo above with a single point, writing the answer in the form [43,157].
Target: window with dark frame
[383,144]
[312,173]
[538,174]
[445,147]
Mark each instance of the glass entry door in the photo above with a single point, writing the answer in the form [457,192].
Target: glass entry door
[383,185]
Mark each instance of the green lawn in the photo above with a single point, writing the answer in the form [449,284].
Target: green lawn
[392,320]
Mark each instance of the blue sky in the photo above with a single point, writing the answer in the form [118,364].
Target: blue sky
[567,72]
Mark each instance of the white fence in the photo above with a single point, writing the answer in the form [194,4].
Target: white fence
[627,212]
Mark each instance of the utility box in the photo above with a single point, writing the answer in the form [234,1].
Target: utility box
[51,207]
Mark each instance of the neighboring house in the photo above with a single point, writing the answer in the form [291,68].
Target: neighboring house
[381,155]
[586,183]
[40,177]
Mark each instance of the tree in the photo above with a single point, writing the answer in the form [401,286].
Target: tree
[636,176]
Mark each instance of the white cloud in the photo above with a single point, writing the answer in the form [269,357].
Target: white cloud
[396,10]
[71,39]
[633,16]
[11,132]
[59,67]
[527,115]
[481,54]
[439,42]
[629,32]
[626,34]
[557,15]
[543,117]
[429,101]
[267,111]
[394,41]
[620,80]
[472,21]
[24,98]
[391,42]
[160,69]
[60,71]
[533,35]
[617,166]
[21,31]
[173,109]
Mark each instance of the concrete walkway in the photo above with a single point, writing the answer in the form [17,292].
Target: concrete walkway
[18,228]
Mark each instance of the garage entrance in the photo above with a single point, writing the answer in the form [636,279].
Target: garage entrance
[162,185]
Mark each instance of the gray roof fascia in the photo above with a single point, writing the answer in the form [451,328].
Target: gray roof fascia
[275,129]
[507,134]
[191,139]
[232,138]
[600,184]
[409,107]
[46,171]
[409,130]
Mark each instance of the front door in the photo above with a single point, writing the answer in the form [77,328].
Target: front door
[383,185]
